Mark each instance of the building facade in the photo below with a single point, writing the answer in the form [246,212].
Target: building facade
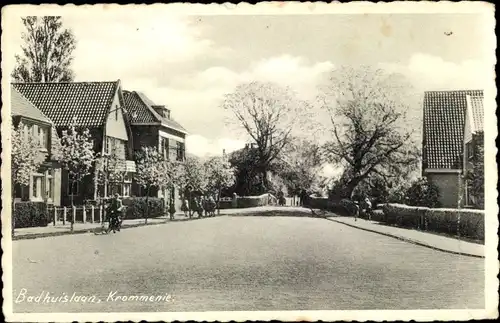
[45,184]
[153,126]
[99,107]
[445,140]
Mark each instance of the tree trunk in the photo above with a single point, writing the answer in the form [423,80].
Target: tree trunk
[147,205]
[349,188]
[190,204]
[72,223]
[218,201]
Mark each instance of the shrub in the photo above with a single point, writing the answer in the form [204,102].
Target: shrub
[465,222]
[317,202]
[404,215]
[30,214]
[137,207]
[347,207]
[253,201]
[423,193]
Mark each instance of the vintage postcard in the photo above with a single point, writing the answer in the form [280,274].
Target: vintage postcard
[278,161]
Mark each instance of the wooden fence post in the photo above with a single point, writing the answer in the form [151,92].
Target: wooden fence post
[84,214]
[65,215]
[92,214]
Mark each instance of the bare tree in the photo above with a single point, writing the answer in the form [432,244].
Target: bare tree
[47,51]
[268,113]
[367,108]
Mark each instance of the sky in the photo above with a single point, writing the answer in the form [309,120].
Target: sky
[189,62]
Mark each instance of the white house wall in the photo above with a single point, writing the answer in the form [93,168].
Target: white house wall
[115,124]
[170,136]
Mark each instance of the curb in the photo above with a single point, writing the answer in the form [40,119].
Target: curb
[418,243]
[94,230]
[81,231]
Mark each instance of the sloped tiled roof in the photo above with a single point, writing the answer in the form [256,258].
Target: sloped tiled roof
[20,106]
[87,102]
[444,121]
[477,112]
[145,113]
[138,111]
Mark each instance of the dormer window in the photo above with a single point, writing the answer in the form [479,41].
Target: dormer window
[162,111]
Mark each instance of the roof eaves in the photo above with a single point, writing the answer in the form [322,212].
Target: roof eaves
[174,128]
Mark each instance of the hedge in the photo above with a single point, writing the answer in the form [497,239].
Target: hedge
[137,207]
[465,222]
[249,201]
[343,207]
[254,201]
[30,214]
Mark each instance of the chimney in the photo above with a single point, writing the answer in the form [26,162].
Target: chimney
[162,110]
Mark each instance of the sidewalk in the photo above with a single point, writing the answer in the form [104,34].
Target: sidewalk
[80,228]
[421,238]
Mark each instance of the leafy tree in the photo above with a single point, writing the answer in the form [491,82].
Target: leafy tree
[423,193]
[369,127]
[476,177]
[26,159]
[109,166]
[47,51]
[299,166]
[267,113]
[247,177]
[220,174]
[150,171]
[191,177]
[77,155]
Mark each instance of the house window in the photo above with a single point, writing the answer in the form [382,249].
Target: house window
[22,192]
[43,137]
[73,185]
[164,147]
[469,150]
[26,130]
[37,187]
[180,151]
[127,184]
[50,185]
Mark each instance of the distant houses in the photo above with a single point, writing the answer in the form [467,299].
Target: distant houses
[115,118]
[452,130]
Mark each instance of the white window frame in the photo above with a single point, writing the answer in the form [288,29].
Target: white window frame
[49,176]
[40,190]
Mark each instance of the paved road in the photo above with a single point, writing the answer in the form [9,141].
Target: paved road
[243,263]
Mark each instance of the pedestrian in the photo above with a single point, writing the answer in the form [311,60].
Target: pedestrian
[368,208]
[185,207]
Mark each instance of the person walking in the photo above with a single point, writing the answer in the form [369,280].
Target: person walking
[185,207]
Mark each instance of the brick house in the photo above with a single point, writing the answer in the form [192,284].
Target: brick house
[153,126]
[45,184]
[473,138]
[443,143]
[97,106]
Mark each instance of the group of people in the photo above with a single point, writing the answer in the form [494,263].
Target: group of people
[204,206]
